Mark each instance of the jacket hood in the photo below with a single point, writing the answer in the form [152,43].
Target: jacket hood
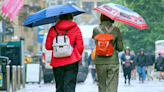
[65,25]
[127,48]
[141,49]
[149,50]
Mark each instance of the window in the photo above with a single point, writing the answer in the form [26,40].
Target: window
[99,3]
[59,2]
[88,6]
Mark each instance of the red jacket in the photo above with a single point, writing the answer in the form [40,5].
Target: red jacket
[75,36]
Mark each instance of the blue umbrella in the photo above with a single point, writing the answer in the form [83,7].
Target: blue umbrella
[50,14]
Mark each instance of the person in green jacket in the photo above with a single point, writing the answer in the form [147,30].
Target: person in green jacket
[107,67]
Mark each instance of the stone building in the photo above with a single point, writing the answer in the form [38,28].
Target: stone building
[90,17]
[32,6]
[29,34]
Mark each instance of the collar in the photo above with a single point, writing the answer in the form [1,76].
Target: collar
[106,23]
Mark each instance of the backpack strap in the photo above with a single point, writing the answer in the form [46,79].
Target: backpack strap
[56,34]
[64,36]
[99,29]
[110,30]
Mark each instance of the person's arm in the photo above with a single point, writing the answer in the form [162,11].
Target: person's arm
[154,58]
[89,59]
[162,63]
[137,60]
[49,40]
[122,59]
[119,41]
[146,61]
[132,58]
[94,34]
[79,42]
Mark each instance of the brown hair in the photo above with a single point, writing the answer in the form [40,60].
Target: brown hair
[105,18]
[68,16]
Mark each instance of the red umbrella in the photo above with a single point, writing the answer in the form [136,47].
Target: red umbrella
[122,14]
[159,51]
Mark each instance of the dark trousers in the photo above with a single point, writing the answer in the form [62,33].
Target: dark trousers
[94,74]
[127,72]
[65,77]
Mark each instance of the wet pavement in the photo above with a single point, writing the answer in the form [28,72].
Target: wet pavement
[89,86]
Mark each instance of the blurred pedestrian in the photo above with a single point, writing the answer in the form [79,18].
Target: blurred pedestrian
[107,67]
[133,71]
[141,63]
[162,68]
[150,61]
[65,68]
[92,66]
[159,65]
[127,61]
[37,60]
[27,59]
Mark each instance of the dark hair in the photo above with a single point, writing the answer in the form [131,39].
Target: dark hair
[105,18]
[68,16]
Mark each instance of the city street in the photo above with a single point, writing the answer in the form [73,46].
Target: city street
[88,86]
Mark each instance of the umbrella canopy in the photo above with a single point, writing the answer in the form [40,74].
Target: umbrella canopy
[122,14]
[38,53]
[159,51]
[50,14]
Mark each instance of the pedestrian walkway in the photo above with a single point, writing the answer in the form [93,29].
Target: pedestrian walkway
[136,86]
[89,86]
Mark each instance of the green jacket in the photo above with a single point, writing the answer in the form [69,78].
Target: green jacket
[117,41]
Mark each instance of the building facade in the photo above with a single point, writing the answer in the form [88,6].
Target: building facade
[31,6]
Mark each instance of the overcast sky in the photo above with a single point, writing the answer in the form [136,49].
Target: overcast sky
[87,30]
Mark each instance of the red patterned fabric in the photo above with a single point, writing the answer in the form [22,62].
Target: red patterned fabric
[75,36]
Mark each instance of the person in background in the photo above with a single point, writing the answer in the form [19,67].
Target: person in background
[65,69]
[92,66]
[159,66]
[108,65]
[27,59]
[127,61]
[141,62]
[150,61]
[86,62]
[37,60]
[133,71]
[162,67]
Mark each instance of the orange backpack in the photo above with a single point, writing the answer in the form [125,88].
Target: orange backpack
[93,54]
[104,46]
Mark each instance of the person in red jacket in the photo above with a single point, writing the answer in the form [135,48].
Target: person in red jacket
[65,69]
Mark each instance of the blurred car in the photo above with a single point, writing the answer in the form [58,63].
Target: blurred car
[46,58]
